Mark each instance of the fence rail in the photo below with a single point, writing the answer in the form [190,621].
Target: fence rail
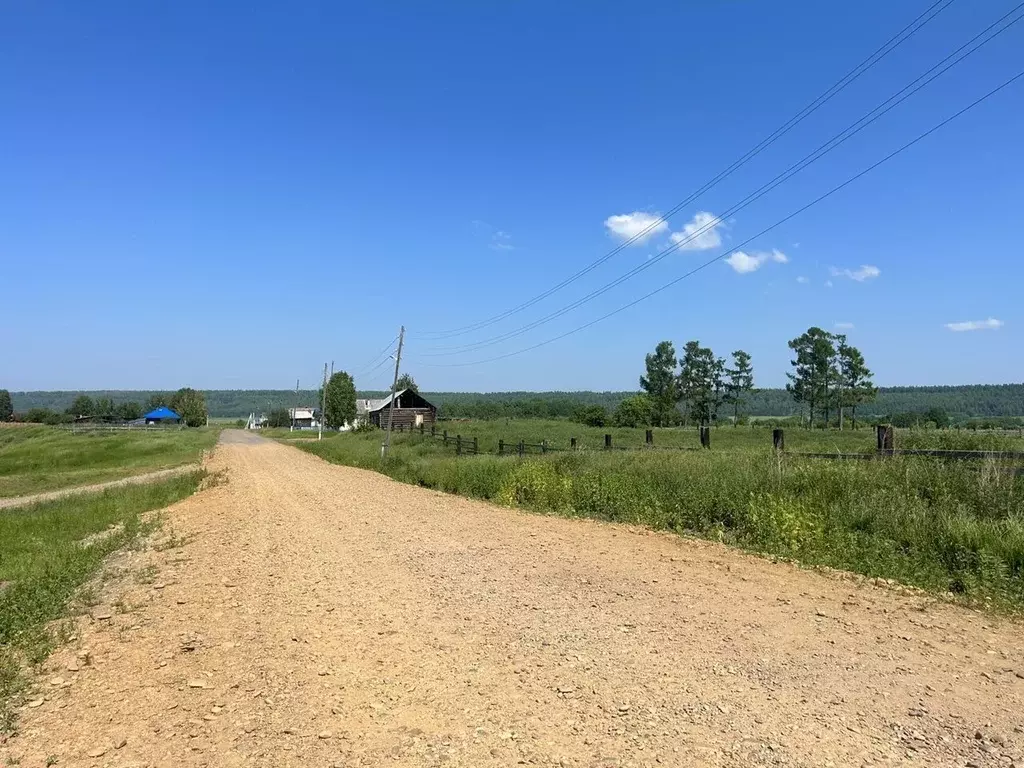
[101,427]
[884,447]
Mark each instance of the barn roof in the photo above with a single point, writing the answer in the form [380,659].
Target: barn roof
[371,405]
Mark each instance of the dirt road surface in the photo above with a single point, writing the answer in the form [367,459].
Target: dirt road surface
[328,616]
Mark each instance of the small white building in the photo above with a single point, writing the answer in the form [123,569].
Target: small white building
[304,417]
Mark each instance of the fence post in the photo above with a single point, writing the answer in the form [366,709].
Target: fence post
[501,447]
[705,437]
[475,446]
[433,430]
[422,427]
[572,443]
[445,437]
[543,446]
[779,440]
[884,437]
[458,445]
[521,447]
[649,437]
[607,442]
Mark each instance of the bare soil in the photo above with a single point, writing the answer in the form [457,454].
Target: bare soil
[319,615]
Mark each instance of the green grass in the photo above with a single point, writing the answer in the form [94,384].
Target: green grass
[725,438]
[34,459]
[43,562]
[942,526]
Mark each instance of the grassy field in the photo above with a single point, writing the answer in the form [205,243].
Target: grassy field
[43,561]
[945,527]
[38,458]
[726,438]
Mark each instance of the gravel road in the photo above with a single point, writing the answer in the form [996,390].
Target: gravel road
[328,616]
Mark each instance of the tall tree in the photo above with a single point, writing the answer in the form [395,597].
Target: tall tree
[815,372]
[81,406]
[406,381]
[661,383]
[6,405]
[700,382]
[190,405]
[854,378]
[340,406]
[740,381]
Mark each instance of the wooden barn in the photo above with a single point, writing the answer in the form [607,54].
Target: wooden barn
[411,410]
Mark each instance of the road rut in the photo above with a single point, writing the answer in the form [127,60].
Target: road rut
[321,615]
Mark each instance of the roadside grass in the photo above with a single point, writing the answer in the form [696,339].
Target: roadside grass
[40,458]
[754,438]
[47,551]
[946,527]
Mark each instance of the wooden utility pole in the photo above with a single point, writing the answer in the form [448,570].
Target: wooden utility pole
[394,387]
[323,406]
[295,405]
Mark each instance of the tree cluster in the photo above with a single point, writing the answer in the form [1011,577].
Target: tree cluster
[829,375]
[699,382]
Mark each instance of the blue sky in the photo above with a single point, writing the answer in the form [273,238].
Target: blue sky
[227,195]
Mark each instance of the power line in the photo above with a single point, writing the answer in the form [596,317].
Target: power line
[708,263]
[840,138]
[886,48]
[378,356]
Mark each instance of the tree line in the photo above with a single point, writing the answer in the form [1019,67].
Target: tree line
[188,403]
[983,404]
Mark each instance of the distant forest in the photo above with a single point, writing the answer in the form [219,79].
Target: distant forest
[960,402]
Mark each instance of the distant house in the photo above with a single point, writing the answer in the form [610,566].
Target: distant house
[411,410]
[304,418]
[162,415]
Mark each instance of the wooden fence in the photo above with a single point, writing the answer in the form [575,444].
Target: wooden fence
[885,447]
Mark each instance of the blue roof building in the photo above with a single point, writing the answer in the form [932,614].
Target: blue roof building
[161,415]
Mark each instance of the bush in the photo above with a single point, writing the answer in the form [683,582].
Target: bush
[279,417]
[591,415]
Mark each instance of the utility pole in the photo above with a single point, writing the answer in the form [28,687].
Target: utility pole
[323,405]
[295,405]
[394,386]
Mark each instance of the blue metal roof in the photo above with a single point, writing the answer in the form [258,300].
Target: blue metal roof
[163,412]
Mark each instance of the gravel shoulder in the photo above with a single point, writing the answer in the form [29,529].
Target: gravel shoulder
[318,615]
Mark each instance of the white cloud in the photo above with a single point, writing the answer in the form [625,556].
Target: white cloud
[802,280]
[864,272]
[976,325]
[743,262]
[500,241]
[639,225]
[828,283]
[844,326]
[700,234]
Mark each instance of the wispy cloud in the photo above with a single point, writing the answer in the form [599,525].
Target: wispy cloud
[700,233]
[976,325]
[500,241]
[844,326]
[743,262]
[828,283]
[802,280]
[864,272]
[639,224]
